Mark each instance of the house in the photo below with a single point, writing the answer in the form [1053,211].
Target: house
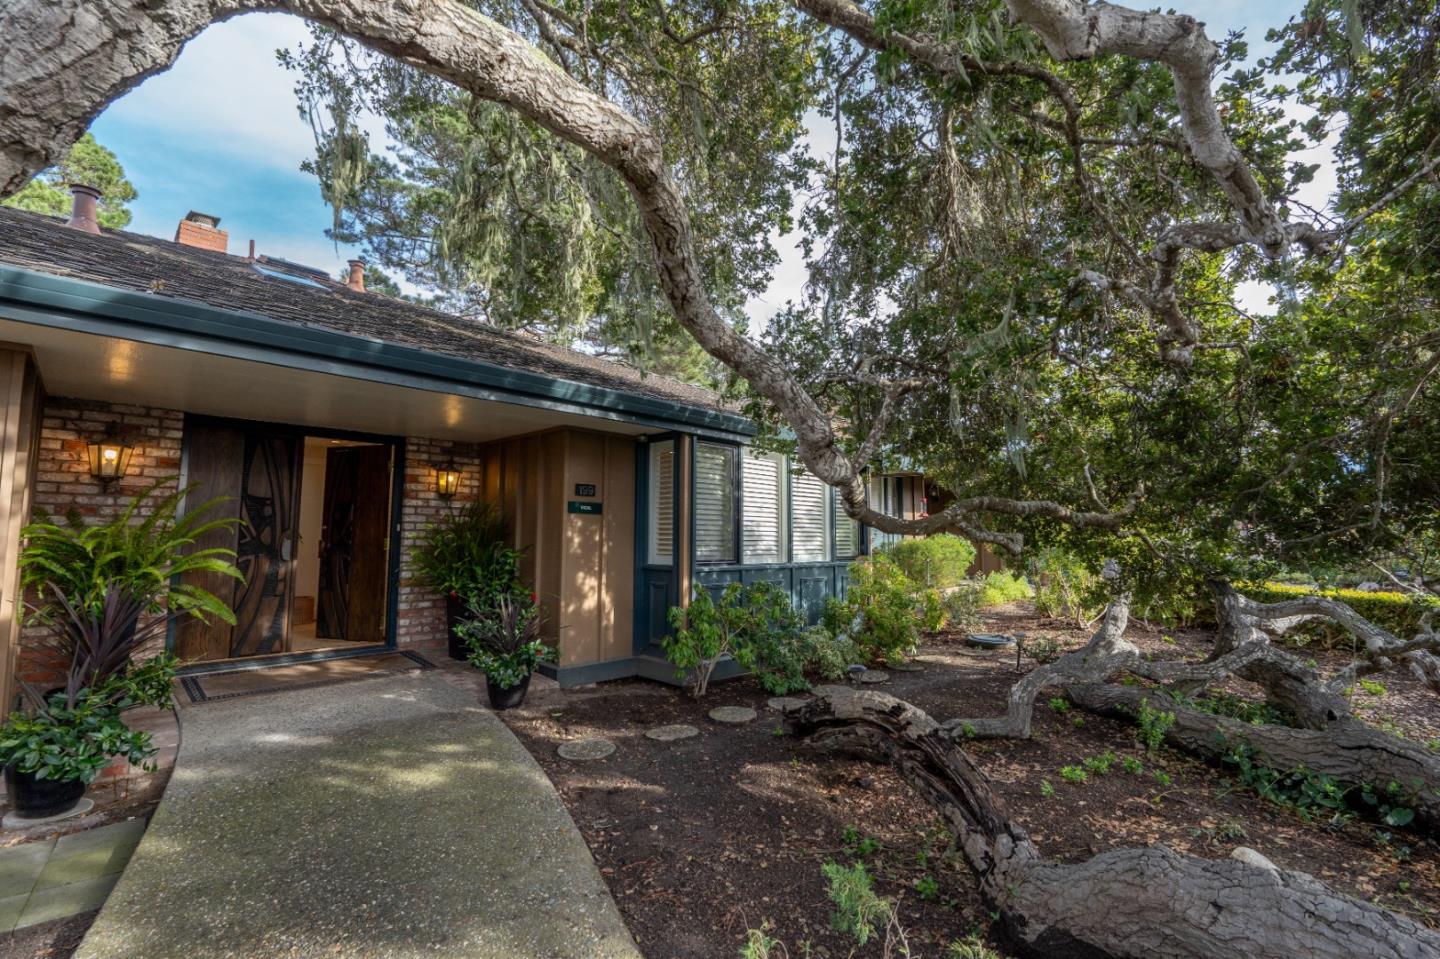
[340,422]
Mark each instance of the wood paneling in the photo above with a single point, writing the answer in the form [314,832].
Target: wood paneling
[581,565]
[214,458]
[19,433]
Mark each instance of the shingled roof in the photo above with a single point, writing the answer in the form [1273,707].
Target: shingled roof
[144,264]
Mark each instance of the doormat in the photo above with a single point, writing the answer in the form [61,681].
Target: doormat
[212,687]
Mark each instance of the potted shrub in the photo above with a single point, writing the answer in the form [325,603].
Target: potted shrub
[106,590]
[59,742]
[503,638]
[467,559]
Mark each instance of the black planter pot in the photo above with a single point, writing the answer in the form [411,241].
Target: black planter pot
[503,697]
[33,798]
[454,610]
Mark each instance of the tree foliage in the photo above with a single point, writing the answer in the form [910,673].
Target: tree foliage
[511,225]
[87,162]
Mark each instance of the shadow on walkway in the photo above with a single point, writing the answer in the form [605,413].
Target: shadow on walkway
[383,818]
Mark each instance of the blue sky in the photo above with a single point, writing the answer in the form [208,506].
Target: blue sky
[219,133]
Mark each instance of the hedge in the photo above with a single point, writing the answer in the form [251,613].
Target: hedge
[1399,613]
[938,561]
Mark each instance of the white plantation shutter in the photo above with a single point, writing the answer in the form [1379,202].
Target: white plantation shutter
[809,528]
[847,533]
[662,500]
[764,508]
[879,500]
[714,503]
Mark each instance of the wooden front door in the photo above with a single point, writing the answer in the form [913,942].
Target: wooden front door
[257,472]
[353,544]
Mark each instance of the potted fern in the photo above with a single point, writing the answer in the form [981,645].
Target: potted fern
[144,551]
[106,590]
[467,559]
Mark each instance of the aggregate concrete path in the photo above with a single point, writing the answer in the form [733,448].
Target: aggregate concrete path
[388,818]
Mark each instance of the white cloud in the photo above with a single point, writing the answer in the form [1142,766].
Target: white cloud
[227,86]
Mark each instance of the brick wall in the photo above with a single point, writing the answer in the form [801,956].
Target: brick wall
[63,482]
[420,612]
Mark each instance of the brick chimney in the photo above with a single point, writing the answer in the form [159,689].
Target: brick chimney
[82,209]
[357,276]
[202,230]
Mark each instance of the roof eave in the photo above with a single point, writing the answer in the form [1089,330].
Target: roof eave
[186,324]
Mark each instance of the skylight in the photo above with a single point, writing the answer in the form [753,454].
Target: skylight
[292,278]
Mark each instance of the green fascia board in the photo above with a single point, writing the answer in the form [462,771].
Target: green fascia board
[68,303]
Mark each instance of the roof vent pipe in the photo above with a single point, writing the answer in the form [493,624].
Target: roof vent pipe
[357,276]
[83,215]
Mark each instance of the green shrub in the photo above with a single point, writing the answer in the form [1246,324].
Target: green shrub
[1003,586]
[1398,613]
[1066,587]
[755,624]
[932,610]
[962,605]
[859,909]
[884,600]
[1154,724]
[468,556]
[828,653]
[938,561]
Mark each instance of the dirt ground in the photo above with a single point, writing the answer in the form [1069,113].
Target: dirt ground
[704,838]
[48,940]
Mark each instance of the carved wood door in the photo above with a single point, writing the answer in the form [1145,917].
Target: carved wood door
[258,474]
[353,544]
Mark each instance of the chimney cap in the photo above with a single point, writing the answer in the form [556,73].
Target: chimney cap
[204,219]
[83,215]
[356,280]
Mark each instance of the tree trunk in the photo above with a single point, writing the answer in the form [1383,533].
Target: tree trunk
[1348,751]
[1147,903]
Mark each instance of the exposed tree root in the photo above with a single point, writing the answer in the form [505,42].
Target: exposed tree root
[1348,750]
[1329,740]
[1145,903]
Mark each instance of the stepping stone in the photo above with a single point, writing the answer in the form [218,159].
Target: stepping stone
[908,666]
[782,703]
[734,715]
[580,750]
[830,690]
[873,676]
[667,734]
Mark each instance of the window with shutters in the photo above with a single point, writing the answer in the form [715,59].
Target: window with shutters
[715,495]
[662,503]
[810,525]
[882,500]
[847,531]
[763,502]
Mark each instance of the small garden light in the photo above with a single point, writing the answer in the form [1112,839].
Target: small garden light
[447,481]
[110,456]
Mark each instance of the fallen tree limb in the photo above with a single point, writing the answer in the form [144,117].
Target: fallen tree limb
[1349,751]
[1144,903]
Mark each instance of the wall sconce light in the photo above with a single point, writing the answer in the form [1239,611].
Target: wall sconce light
[447,480]
[110,456]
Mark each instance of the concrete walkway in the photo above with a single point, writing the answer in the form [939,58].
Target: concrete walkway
[388,818]
[58,878]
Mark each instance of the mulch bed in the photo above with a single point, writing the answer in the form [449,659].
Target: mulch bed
[704,838]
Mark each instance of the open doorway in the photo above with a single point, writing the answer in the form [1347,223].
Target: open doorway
[313,539]
[343,550]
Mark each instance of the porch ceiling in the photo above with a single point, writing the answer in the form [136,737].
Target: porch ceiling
[97,367]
